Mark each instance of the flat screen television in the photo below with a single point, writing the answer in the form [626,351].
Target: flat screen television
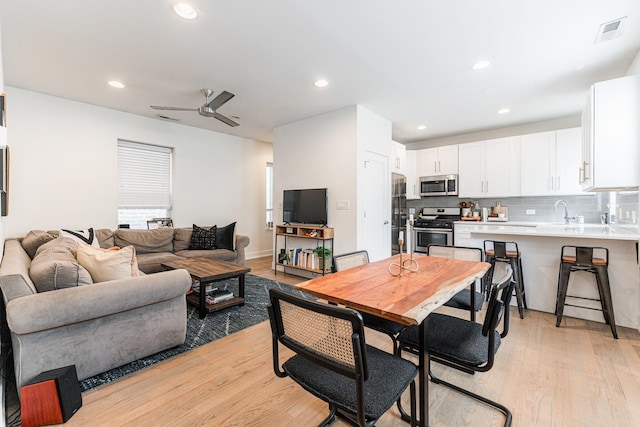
[305,206]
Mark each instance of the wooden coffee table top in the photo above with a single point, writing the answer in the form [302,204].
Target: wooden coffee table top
[206,269]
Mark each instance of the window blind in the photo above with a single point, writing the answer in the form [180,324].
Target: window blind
[144,176]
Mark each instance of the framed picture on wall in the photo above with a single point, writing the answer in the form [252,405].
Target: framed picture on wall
[4,181]
[3,110]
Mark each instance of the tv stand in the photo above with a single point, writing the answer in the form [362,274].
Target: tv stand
[296,254]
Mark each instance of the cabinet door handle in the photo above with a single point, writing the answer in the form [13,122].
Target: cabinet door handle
[435,166]
[552,186]
[558,183]
[439,166]
[580,180]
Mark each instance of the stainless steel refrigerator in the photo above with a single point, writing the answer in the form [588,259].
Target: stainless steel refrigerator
[398,211]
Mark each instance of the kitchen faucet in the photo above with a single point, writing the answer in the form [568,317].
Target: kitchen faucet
[567,218]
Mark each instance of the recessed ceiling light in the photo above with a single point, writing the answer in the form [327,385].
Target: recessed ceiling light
[422,127]
[116,84]
[321,83]
[480,65]
[185,10]
[503,111]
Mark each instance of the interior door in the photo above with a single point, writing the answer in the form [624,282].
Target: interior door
[376,207]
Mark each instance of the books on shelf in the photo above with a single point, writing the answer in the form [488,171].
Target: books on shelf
[301,257]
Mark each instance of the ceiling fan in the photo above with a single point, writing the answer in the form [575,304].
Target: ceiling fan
[208,109]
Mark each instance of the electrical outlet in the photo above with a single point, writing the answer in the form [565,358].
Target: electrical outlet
[531,211]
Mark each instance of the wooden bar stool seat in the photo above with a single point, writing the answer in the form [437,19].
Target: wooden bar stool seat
[507,252]
[581,258]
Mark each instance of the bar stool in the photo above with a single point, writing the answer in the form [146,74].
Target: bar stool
[507,252]
[581,258]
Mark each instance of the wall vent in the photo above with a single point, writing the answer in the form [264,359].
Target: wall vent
[610,30]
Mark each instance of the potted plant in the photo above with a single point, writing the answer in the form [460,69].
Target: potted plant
[324,255]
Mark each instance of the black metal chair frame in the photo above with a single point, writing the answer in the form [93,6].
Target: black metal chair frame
[499,298]
[359,372]
[473,294]
[500,254]
[584,261]
[388,327]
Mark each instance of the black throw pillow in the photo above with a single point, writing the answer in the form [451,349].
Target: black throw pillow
[225,237]
[201,238]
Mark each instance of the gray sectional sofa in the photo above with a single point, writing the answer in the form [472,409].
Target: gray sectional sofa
[96,326]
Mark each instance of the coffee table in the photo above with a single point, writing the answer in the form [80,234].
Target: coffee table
[206,271]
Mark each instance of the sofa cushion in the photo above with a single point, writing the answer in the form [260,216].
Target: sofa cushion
[105,237]
[221,254]
[108,264]
[226,237]
[203,238]
[87,236]
[34,239]
[182,238]
[55,266]
[145,241]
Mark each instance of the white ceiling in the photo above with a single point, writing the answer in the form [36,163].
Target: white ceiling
[408,61]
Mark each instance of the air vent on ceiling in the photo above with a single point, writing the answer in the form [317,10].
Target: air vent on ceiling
[163,117]
[610,30]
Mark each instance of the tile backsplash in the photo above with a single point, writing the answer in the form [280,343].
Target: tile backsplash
[591,206]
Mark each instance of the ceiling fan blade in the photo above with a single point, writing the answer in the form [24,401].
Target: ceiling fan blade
[220,99]
[157,107]
[225,119]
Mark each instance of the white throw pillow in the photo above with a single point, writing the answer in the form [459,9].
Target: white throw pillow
[108,264]
[88,237]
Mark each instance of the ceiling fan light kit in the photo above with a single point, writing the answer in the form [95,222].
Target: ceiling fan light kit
[209,108]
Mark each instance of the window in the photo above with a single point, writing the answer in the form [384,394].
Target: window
[269,193]
[144,183]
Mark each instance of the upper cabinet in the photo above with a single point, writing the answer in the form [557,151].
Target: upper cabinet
[610,135]
[398,157]
[437,161]
[550,162]
[413,190]
[489,168]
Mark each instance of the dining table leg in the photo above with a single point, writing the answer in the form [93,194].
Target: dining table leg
[423,375]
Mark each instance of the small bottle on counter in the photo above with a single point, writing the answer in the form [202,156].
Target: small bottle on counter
[485,214]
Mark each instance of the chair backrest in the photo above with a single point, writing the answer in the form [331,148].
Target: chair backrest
[499,298]
[500,249]
[328,335]
[455,252]
[349,260]
[586,255]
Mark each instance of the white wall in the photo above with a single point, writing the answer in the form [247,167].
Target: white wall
[320,152]
[64,165]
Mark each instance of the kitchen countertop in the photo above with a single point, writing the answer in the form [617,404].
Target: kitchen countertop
[542,229]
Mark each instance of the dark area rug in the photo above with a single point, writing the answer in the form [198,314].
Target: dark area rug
[215,325]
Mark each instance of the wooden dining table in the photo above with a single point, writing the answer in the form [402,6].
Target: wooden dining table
[408,298]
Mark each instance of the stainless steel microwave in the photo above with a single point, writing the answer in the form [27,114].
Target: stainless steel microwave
[440,185]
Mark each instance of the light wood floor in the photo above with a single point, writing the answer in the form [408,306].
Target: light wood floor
[575,375]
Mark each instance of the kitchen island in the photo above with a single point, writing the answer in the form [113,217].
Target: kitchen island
[540,245]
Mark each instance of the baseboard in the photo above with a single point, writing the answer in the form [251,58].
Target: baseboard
[258,254]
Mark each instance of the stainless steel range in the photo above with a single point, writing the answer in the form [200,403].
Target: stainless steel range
[435,226]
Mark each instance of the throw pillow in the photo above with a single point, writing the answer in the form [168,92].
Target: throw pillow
[226,237]
[83,236]
[55,267]
[108,264]
[201,238]
[34,239]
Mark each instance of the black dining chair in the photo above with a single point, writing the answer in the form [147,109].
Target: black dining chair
[461,342]
[333,362]
[467,299]
[388,327]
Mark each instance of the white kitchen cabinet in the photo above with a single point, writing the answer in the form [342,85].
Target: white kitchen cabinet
[437,161]
[489,168]
[610,135]
[549,163]
[413,190]
[398,157]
